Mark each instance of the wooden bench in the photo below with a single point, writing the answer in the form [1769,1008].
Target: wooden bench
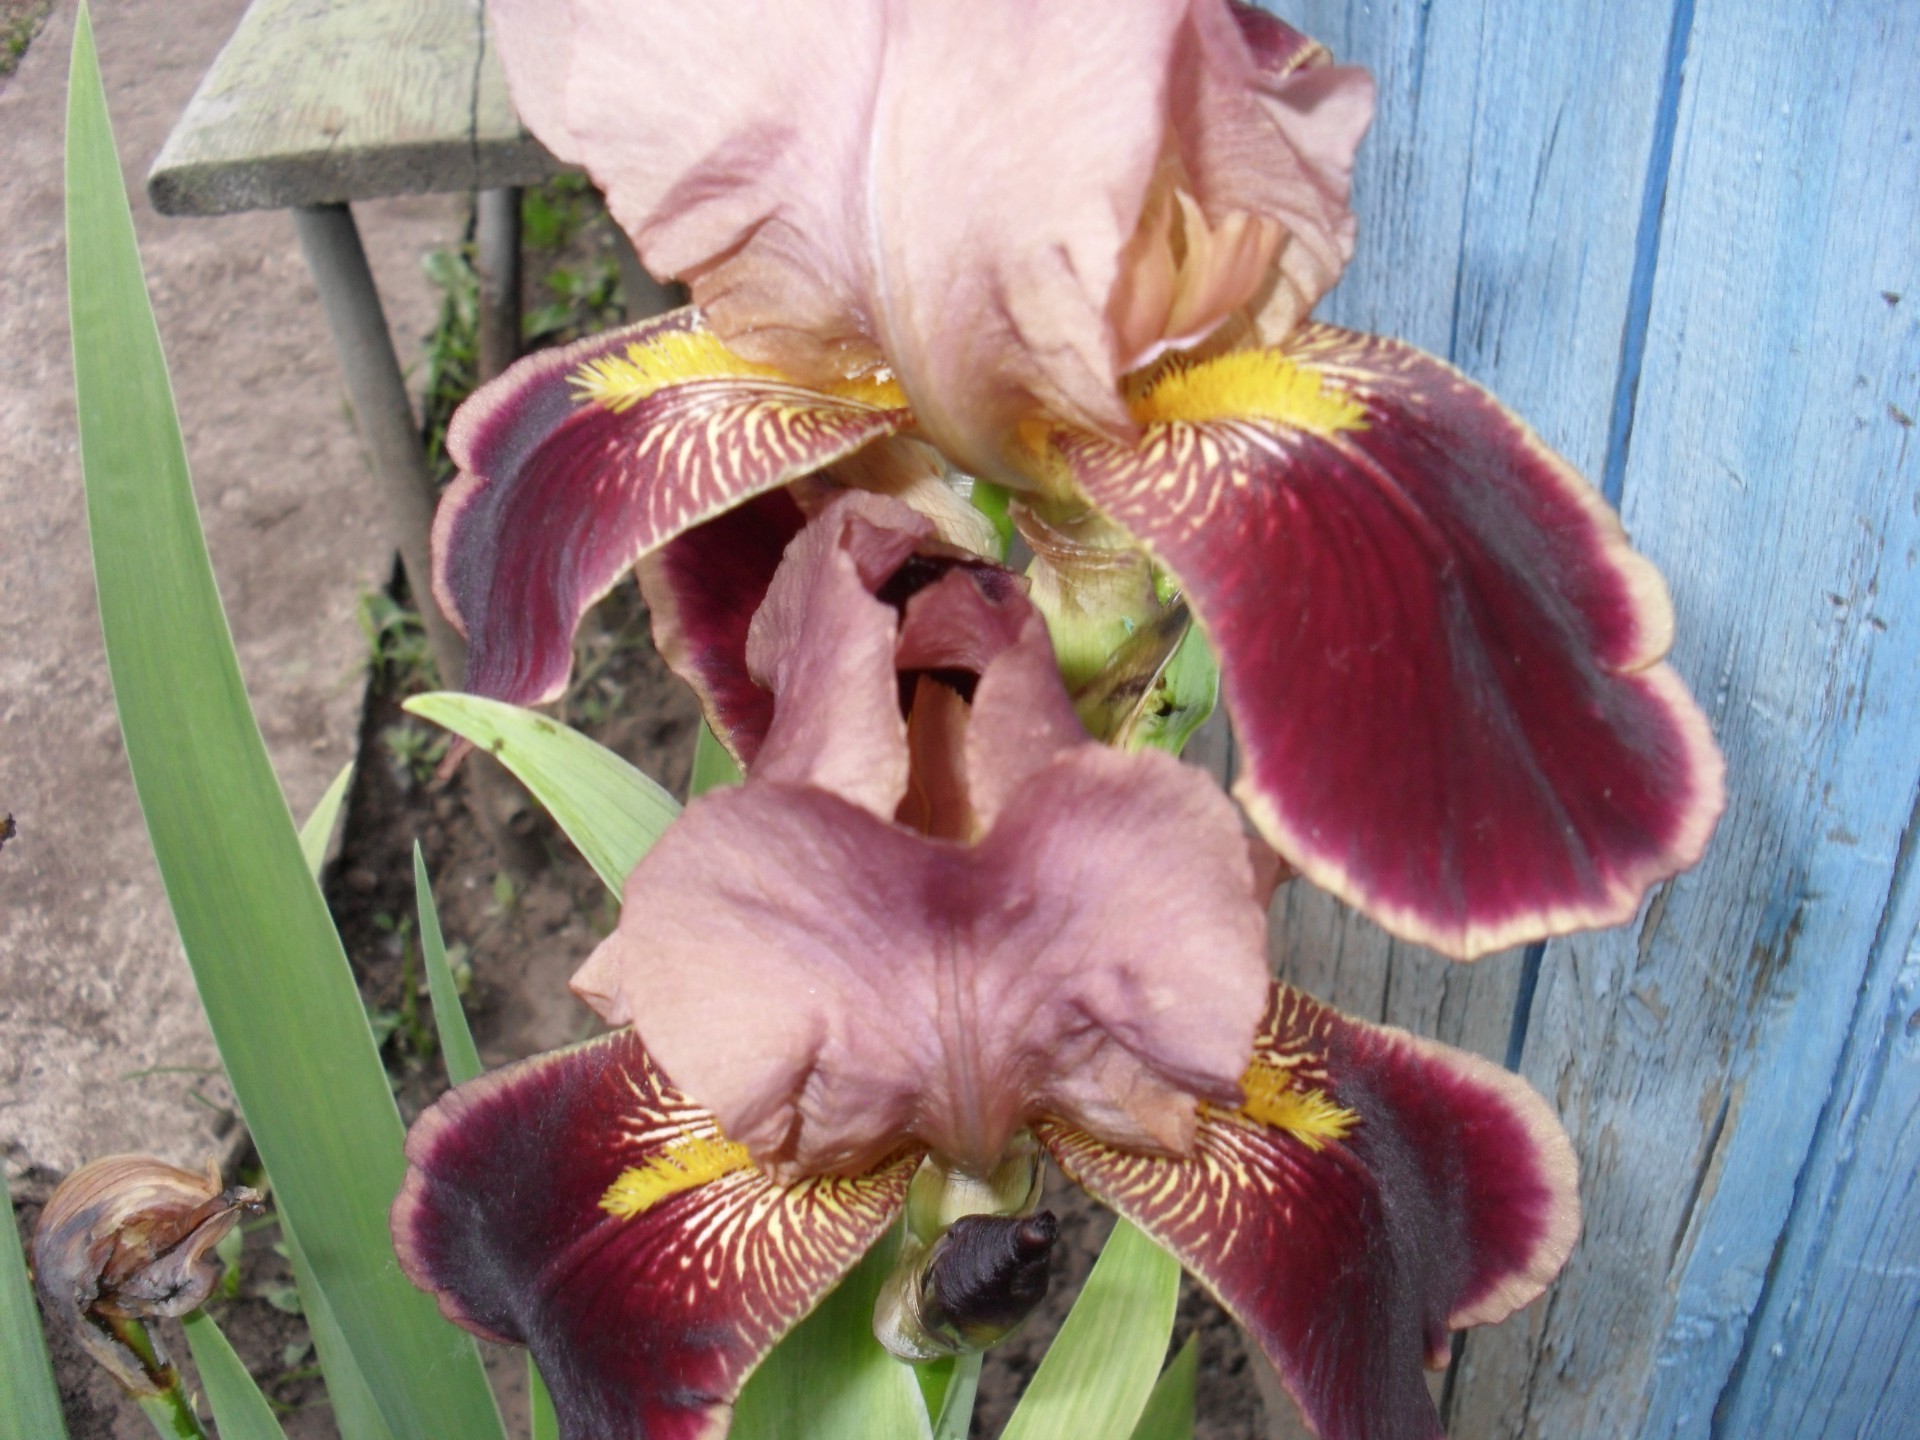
[315,104]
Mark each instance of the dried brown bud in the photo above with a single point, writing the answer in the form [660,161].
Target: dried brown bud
[127,1238]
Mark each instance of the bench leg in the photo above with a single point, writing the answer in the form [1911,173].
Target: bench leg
[497,238]
[388,428]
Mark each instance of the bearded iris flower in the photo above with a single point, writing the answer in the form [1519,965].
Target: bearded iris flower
[930,930]
[1071,248]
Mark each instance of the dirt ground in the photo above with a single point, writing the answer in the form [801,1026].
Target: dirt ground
[101,1046]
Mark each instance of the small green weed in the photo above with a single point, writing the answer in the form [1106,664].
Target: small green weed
[396,644]
[19,22]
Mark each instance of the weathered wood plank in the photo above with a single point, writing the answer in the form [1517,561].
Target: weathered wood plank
[315,101]
[1709,1066]
[1499,197]
[1797,206]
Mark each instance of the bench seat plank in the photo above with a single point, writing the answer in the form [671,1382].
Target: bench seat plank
[317,101]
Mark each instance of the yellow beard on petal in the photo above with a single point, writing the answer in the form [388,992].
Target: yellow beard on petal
[1246,385]
[1311,1116]
[685,357]
[685,1164]
[679,357]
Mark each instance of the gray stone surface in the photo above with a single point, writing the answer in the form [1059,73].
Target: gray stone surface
[102,1047]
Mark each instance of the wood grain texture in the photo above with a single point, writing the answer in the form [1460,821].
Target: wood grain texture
[1499,197]
[1679,236]
[315,101]
[1773,458]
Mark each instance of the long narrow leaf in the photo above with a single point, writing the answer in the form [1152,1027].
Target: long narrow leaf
[1169,1412]
[829,1379]
[449,1016]
[318,829]
[277,989]
[713,767]
[1095,1379]
[239,1409]
[29,1401]
[463,1064]
[610,811]
[545,1419]
[356,1414]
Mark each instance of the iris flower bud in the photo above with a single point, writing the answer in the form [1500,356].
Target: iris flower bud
[976,1260]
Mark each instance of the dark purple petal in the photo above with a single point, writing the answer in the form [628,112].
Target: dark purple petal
[1440,653]
[702,589]
[576,1204]
[568,479]
[1374,1191]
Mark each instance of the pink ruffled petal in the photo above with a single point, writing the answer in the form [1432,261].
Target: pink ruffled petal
[823,645]
[576,462]
[837,184]
[576,1204]
[1440,654]
[1372,1191]
[534,40]
[881,984]
[1266,128]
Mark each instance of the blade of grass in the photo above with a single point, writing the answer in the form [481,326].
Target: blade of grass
[239,1409]
[278,992]
[449,1016]
[29,1401]
[1169,1412]
[830,1379]
[610,811]
[1094,1381]
[318,830]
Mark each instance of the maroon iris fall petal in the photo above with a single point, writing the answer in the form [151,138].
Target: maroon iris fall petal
[1373,1191]
[578,461]
[1441,657]
[702,589]
[576,1204]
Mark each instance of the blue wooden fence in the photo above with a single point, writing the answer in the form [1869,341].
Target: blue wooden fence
[1683,238]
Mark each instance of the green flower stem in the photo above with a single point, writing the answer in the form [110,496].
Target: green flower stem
[170,1412]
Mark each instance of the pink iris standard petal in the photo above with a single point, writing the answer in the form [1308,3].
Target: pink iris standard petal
[706,587]
[575,1203]
[1249,211]
[880,982]
[1373,1191]
[534,40]
[1439,652]
[827,982]
[576,462]
[823,644]
[1278,142]
[839,183]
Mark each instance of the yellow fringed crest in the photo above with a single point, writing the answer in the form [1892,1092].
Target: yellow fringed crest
[685,1164]
[1310,1115]
[1247,385]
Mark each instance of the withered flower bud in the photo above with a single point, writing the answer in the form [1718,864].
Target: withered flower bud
[126,1239]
